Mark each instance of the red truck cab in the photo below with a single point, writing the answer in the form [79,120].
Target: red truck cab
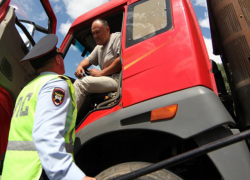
[167,102]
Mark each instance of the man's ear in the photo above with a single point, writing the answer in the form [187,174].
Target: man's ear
[108,29]
[58,60]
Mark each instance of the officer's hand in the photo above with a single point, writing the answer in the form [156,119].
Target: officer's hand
[79,72]
[88,178]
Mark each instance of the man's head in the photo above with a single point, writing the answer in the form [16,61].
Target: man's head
[100,31]
[44,56]
[55,64]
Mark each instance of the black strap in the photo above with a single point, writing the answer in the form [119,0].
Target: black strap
[44,176]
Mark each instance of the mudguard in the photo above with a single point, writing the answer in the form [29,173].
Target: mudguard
[233,162]
[200,116]
[199,110]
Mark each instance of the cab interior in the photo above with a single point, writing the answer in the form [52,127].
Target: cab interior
[84,37]
[13,49]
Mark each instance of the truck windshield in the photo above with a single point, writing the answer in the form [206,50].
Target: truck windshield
[30,10]
[75,55]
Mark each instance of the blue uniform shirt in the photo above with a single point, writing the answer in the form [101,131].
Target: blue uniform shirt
[48,133]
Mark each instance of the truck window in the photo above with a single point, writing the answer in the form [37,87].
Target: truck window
[83,43]
[76,53]
[146,19]
[33,17]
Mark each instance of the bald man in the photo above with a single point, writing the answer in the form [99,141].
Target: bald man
[107,55]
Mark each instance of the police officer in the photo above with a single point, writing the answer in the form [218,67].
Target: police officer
[41,136]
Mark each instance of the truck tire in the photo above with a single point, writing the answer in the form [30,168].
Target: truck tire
[125,168]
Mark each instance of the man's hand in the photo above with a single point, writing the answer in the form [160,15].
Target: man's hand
[88,178]
[79,72]
[95,72]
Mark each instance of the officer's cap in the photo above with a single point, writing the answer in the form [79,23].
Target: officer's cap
[44,50]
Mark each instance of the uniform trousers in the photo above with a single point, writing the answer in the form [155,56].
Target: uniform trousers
[89,84]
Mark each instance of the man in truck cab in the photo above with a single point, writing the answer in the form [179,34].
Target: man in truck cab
[41,137]
[106,55]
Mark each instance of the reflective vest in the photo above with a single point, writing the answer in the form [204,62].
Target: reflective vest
[21,159]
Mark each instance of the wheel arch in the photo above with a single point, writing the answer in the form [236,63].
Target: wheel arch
[128,145]
[199,110]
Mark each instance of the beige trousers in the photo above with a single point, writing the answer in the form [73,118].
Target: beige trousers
[90,84]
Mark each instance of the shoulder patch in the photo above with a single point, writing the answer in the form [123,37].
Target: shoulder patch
[58,96]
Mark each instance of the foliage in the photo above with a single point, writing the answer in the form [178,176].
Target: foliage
[222,70]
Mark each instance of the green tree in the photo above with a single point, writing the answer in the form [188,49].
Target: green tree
[222,70]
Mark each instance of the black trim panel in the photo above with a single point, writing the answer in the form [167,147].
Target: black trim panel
[233,161]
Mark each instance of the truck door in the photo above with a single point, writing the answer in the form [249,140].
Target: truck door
[148,23]
[21,26]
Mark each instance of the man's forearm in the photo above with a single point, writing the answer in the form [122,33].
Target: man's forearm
[113,68]
[84,64]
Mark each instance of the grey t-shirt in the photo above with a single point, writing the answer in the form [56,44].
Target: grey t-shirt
[105,55]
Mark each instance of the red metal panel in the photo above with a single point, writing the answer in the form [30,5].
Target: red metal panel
[6,109]
[174,60]
[65,42]
[51,14]
[4,9]
[87,18]
[97,115]
[109,8]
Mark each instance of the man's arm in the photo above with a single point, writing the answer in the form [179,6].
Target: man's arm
[80,72]
[113,68]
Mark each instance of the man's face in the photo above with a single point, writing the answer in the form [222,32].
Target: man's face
[100,33]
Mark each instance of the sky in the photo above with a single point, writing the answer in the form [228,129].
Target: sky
[67,11]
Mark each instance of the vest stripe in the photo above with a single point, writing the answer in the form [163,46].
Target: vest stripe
[21,146]
[30,146]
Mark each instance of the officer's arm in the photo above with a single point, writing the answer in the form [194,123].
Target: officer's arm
[48,133]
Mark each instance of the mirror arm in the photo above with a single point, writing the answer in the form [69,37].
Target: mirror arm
[38,28]
[25,32]
[49,26]
[52,21]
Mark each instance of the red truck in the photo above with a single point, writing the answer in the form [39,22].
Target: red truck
[171,97]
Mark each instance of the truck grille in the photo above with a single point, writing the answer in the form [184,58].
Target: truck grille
[6,69]
[245,4]
[232,19]
[215,2]
[229,21]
